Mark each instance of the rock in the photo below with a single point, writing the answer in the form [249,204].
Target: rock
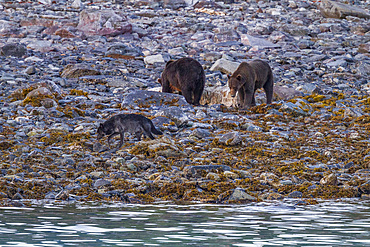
[76,71]
[231,139]
[154,59]
[330,179]
[150,99]
[273,196]
[285,93]
[41,46]
[231,175]
[165,123]
[332,9]
[213,176]
[77,4]
[293,109]
[218,95]
[123,51]
[365,188]
[225,66]
[239,194]
[193,171]
[295,194]
[257,42]
[40,97]
[174,4]
[101,182]
[17,196]
[200,133]
[15,50]
[103,22]
[174,113]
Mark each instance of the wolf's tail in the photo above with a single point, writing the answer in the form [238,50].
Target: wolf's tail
[154,130]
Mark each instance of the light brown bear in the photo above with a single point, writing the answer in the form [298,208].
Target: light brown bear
[247,78]
[185,75]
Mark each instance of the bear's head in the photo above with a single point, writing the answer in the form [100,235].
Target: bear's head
[235,83]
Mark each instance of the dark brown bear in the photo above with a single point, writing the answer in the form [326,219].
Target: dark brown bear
[185,75]
[247,78]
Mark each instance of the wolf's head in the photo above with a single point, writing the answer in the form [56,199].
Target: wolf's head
[103,130]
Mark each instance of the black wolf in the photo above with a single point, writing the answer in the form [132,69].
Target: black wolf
[132,123]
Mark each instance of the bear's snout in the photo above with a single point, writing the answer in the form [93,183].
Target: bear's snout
[232,93]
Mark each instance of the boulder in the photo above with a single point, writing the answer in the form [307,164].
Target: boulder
[15,50]
[334,9]
[225,66]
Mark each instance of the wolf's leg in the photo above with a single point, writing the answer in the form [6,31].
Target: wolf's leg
[110,137]
[121,136]
[149,134]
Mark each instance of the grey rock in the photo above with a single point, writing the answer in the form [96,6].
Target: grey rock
[225,66]
[231,139]
[151,99]
[101,182]
[239,194]
[15,50]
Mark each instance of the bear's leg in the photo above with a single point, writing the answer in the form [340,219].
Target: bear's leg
[241,98]
[248,97]
[268,87]
[253,103]
[188,95]
[166,88]
[197,95]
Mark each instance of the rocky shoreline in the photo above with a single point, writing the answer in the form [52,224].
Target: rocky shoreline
[66,67]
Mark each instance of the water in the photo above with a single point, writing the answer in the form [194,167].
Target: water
[281,224]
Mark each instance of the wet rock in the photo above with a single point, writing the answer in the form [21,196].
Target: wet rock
[15,50]
[237,195]
[332,9]
[295,194]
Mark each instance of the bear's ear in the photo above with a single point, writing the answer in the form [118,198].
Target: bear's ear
[239,77]
[169,62]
